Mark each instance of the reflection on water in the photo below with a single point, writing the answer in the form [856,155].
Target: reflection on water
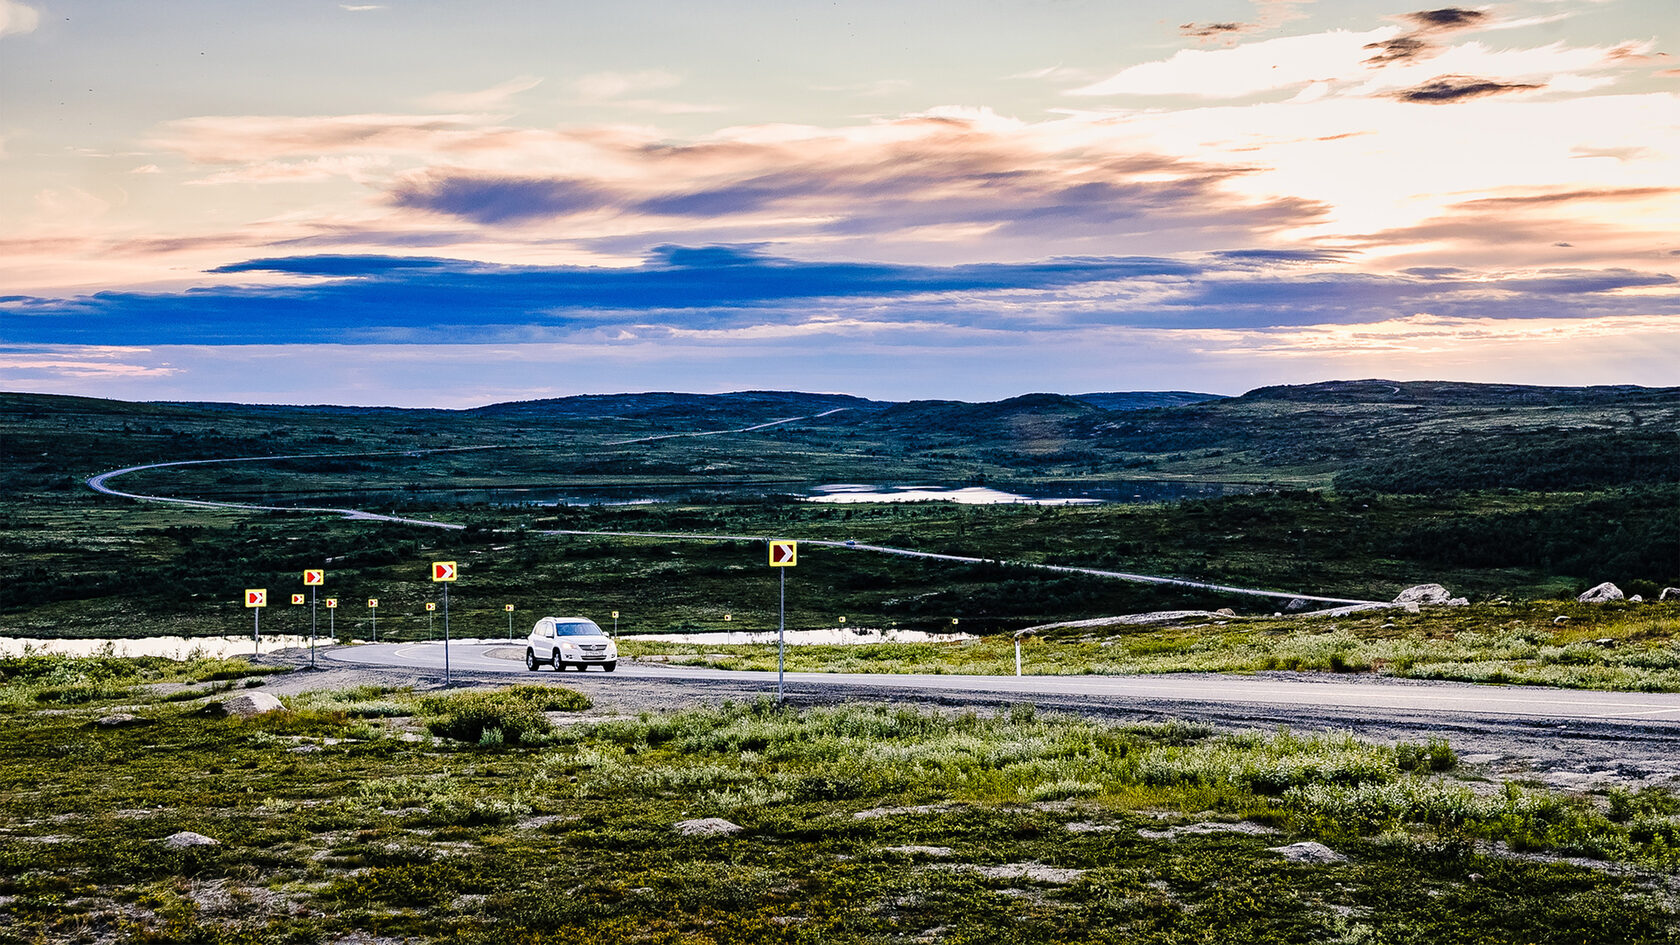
[175,648]
[834,636]
[968,495]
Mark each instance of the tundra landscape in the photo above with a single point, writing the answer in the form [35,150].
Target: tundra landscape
[169,800]
[892,472]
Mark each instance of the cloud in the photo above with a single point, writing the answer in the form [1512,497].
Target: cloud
[1374,63]
[714,291]
[29,364]
[362,7]
[244,139]
[494,97]
[603,86]
[1284,62]
[1447,89]
[497,200]
[17,18]
[951,174]
[1212,30]
[355,167]
[1418,44]
[1570,196]
[1271,14]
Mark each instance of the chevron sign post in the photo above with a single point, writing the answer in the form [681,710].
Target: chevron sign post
[256,598]
[783,555]
[445,573]
[313,578]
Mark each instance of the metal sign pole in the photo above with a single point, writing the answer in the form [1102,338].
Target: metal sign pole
[781,636]
[446,634]
[312,594]
[256,630]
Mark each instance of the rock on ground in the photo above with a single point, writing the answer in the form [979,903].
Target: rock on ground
[1602,594]
[1424,594]
[707,827]
[1668,592]
[186,838]
[121,720]
[249,704]
[1308,852]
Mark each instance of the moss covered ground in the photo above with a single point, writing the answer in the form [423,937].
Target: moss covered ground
[522,815]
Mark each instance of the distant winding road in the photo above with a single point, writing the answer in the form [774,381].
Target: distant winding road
[101,484]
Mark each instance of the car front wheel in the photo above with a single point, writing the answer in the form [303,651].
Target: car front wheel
[559,664]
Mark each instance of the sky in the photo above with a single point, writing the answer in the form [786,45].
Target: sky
[444,203]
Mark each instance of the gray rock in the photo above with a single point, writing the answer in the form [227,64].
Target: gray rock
[186,838]
[1424,594]
[1602,594]
[251,703]
[121,720]
[1560,620]
[1228,612]
[1459,602]
[1668,592]
[708,827]
[1636,599]
[1295,606]
[1308,852]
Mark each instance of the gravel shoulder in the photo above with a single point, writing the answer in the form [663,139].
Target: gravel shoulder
[1576,756]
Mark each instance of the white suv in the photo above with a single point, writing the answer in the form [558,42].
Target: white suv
[569,641]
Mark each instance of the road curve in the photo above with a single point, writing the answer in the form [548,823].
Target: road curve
[1304,695]
[101,484]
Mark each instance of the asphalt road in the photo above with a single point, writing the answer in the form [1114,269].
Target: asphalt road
[1297,694]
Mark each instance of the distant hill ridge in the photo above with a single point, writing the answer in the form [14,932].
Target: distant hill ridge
[676,405]
[1455,393]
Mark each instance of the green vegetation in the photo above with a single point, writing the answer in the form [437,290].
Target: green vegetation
[1599,462]
[342,816]
[1621,647]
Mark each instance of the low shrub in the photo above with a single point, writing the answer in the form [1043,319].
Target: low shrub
[516,712]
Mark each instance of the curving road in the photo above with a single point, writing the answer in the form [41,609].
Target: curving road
[1308,696]
[101,484]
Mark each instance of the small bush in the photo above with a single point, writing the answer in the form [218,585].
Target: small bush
[1434,755]
[516,712]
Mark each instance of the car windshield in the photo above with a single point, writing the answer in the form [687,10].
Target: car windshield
[576,628]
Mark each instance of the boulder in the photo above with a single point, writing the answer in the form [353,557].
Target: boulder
[1295,606]
[708,827]
[1602,594]
[1636,599]
[1424,594]
[186,838]
[1459,602]
[121,720]
[1668,592]
[249,704]
[1228,612]
[1308,852]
